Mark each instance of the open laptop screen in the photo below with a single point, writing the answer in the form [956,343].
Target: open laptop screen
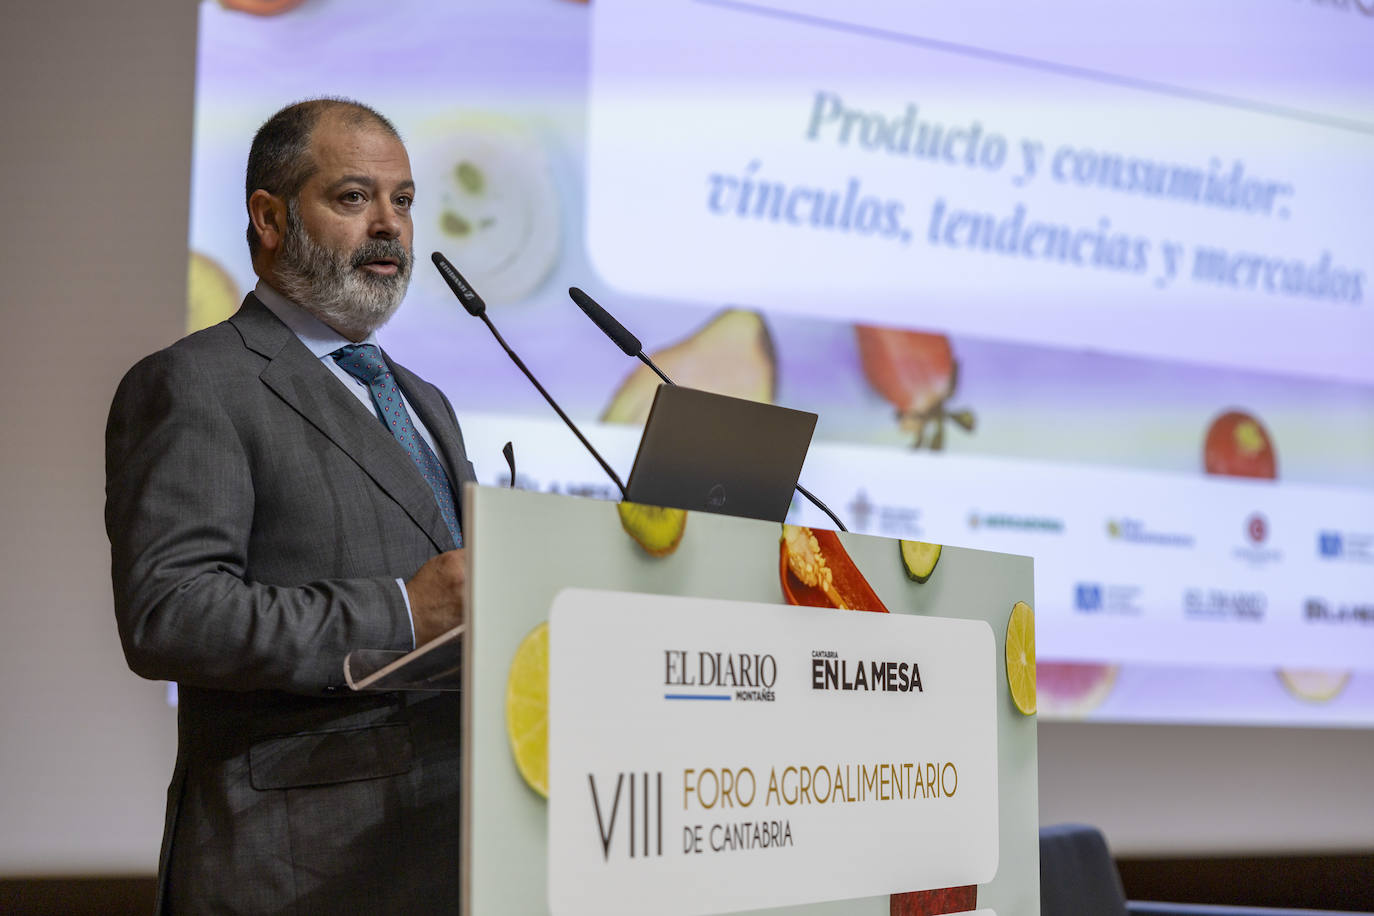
[712,453]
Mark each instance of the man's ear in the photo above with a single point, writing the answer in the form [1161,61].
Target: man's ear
[268,215]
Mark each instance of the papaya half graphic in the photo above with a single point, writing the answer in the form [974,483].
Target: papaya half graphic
[1238,445]
[816,571]
[917,374]
[936,902]
[732,354]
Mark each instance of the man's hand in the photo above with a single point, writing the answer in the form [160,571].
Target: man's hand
[436,595]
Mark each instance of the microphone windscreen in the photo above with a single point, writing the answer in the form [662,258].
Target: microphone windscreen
[608,325]
[461,288]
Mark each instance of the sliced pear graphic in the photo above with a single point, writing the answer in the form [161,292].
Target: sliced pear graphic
[1315,685]
[211,294]
[732,354]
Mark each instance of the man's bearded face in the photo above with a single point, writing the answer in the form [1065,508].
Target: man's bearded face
[333,285]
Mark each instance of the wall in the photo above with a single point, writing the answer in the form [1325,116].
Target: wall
[95,154]
[95,165]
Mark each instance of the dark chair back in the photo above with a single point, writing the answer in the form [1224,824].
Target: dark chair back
[1077,874]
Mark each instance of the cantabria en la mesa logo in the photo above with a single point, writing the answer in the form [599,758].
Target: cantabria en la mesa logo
[753,675]
[830,672]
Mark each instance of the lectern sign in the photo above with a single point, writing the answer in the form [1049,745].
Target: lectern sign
[708,756]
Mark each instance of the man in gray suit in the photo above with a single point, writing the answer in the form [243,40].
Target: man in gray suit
[280,493]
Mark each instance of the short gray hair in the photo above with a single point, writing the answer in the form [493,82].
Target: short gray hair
[279,161]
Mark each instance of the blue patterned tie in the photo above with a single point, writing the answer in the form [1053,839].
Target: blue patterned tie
[364,362]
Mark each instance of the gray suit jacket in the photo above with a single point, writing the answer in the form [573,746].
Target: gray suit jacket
[258,518]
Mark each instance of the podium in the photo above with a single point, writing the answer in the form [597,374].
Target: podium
[691,698]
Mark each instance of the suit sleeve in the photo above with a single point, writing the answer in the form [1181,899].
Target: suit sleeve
[179,513]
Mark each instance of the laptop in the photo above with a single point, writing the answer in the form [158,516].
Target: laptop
[712,453]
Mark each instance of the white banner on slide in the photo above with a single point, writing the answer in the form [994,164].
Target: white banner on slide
[708,756]
[1130,565]
[882,163]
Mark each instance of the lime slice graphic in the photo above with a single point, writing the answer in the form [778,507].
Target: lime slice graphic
[527,708]
[1021,657]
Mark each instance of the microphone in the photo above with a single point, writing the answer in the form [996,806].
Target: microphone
[465,293]
[631,345]
[614,330]
[478,309]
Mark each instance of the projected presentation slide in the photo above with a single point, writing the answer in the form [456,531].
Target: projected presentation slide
[1093,287]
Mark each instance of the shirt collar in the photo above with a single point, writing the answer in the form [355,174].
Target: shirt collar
[318,337]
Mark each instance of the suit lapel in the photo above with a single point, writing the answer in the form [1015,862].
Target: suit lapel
[437,419]
[299,379]
[442,427]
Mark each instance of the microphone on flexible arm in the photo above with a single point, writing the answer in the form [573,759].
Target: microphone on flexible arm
[631,345]
[478,309]
[509,451]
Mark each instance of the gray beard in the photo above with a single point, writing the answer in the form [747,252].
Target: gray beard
[327,283]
